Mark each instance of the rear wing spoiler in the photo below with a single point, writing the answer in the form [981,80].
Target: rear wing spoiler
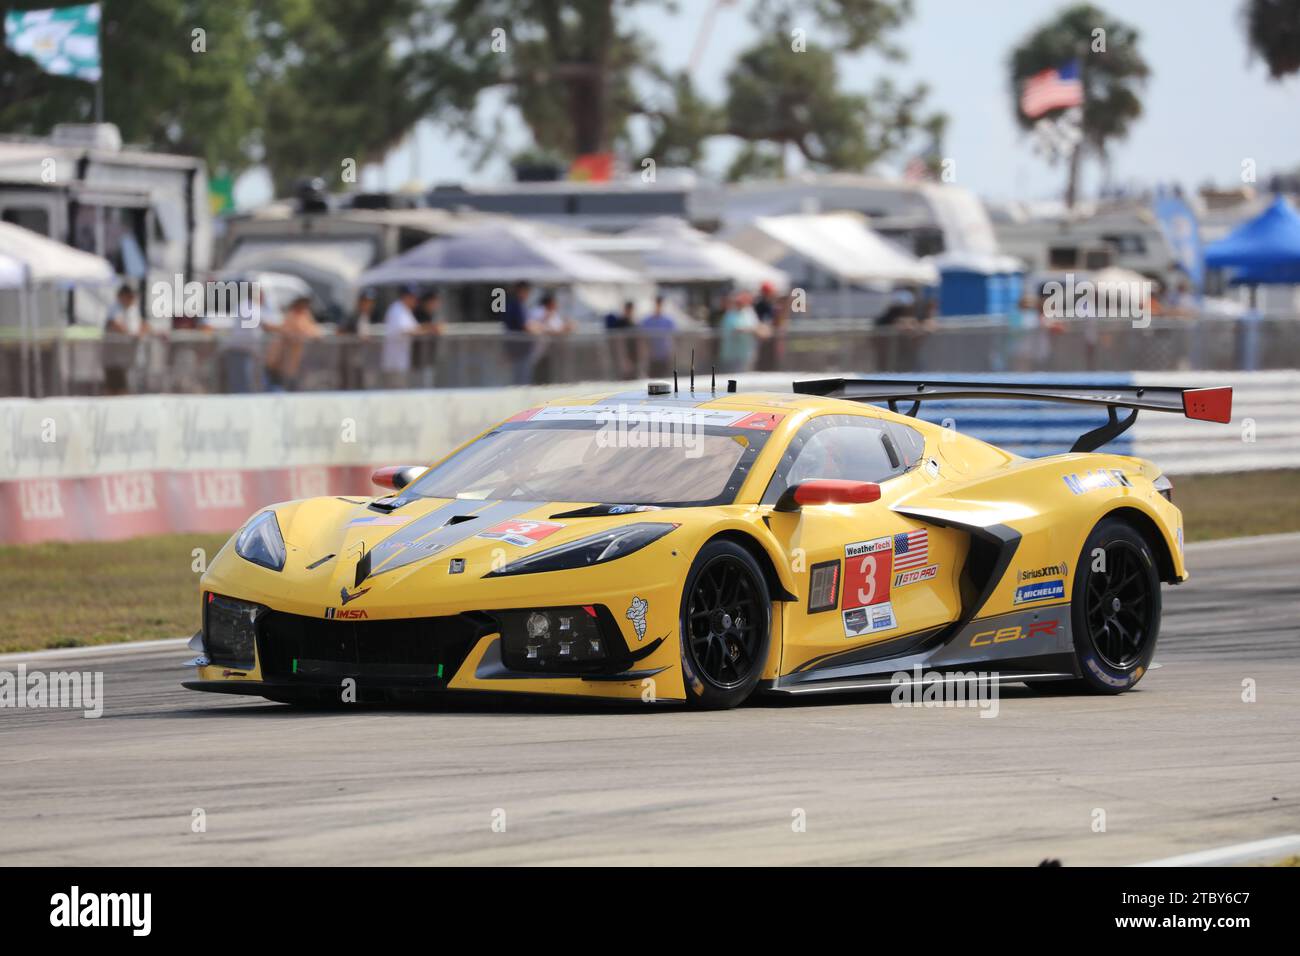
[1201,404]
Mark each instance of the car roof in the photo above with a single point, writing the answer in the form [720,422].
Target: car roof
[739,401]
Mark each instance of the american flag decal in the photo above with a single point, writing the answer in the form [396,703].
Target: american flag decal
[911,550]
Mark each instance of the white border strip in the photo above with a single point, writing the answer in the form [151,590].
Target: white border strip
[95,650]
[1274,848]
[1255,539]
[144,647]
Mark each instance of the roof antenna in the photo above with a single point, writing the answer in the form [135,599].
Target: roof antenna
[713,379]
[692,371]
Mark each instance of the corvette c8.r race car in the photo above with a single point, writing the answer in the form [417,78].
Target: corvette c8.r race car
[696,547]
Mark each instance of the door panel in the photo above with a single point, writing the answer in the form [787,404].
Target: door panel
[866,574]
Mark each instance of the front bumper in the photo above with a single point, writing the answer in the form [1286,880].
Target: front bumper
[286,656]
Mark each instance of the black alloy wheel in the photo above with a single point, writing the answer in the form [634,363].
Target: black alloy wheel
[725,626]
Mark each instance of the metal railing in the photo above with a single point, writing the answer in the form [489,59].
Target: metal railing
[195,362]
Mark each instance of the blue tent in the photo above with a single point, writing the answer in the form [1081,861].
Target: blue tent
[1265,250]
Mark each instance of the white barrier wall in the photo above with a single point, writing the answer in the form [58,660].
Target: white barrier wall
[1265,429]
[94,468]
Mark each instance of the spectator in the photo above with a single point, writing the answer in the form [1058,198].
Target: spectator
[519,351]
[352,360]
[548,322]
[124,322]
[623,347]
[660,326]
[427,313]
[765,307]
[899,318]
[284,356]
[362,316]
[765,304]
[399,325]
[739,335]
[242,343]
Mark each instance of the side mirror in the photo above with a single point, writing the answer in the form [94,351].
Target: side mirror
[396,477]
[828,491]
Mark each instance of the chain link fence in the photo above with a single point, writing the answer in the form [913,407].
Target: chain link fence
[196,362]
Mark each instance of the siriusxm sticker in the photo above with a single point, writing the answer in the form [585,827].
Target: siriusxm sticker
[1040,591]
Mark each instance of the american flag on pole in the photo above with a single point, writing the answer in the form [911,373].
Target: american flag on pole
[1050,90]
[911,550]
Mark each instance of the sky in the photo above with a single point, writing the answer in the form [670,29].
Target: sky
[1207,105]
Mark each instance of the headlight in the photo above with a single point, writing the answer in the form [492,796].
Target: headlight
[261,542]
[593,549]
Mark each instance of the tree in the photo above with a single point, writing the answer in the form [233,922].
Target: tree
[569,66]
[785,91]
[1273,31]
[341,81]
[1112,71]
[158,89]
[682,127]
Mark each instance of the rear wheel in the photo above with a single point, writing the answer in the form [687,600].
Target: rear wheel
[1115,611]
[725,626]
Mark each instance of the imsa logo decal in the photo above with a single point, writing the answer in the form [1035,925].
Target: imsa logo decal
[345,613]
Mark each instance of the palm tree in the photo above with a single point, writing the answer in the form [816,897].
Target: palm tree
[1111,68]
[1273,30]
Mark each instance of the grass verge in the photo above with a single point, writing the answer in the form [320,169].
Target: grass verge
[104,592]
[101,592]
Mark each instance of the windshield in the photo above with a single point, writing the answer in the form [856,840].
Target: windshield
[635,463]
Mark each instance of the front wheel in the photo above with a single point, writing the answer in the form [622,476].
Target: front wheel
[1115,611]
[726,617]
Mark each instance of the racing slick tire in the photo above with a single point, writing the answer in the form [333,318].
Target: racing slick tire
[1114,612]
[725,626]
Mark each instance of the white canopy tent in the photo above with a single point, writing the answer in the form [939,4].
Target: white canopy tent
[29,262]
[671,252]
[330,266]
[839,244]
[47,261]
[498,253]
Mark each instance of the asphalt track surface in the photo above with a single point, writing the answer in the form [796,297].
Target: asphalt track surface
[1178,765]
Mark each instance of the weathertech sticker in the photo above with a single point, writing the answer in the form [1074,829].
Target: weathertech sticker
[867,569]
[904,578]
[521,533]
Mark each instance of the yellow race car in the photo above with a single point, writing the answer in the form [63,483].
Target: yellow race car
[695,547]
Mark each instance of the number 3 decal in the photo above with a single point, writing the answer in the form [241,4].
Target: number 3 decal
[866,580]
[867,570]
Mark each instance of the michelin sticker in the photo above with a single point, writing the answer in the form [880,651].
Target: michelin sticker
[636,614]
[1040,591]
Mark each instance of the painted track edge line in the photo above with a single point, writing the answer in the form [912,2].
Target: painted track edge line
[95,650]
[1272,848]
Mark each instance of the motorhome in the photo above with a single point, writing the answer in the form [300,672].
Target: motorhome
[147,213]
